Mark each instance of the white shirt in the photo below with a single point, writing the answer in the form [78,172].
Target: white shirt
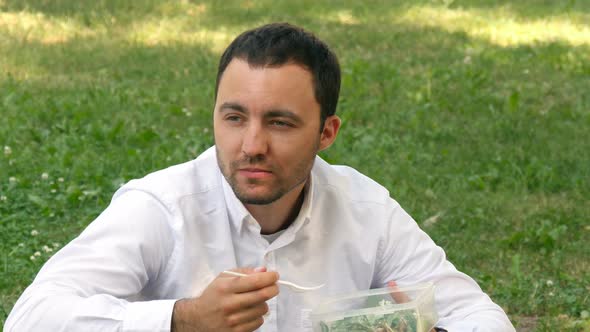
[168,235]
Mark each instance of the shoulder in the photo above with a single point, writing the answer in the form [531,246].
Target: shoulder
[348,184]
[174,183]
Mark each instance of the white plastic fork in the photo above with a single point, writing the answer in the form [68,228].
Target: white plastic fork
[289,284]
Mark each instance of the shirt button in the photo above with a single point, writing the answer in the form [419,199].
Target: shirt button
[268,257]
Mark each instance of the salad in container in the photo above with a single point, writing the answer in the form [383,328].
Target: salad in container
[398,309]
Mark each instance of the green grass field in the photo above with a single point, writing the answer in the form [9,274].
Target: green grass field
[474,114]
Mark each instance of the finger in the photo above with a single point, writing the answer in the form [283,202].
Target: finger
[396,294]
[243,270]
[244,300]
[250,326]
[249,270]
[254,281]
[247,315]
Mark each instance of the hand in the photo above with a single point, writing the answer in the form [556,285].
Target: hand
[399,297]
[229,303]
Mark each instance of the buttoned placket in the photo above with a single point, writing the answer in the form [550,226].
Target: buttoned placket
[267,251]
[271,319]
[268,260]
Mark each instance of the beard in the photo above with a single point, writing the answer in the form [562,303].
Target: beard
[279,185]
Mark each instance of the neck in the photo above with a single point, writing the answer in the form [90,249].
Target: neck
[280,214]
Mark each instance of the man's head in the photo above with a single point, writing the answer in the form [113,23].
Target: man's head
[277,44]
[274,110]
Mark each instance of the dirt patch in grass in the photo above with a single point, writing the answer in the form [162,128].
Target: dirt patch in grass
[525,323]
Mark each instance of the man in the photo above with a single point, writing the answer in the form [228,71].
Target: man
[260,202]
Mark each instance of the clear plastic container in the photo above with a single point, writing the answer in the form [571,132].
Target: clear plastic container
[408,309]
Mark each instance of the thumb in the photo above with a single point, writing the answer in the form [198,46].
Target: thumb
[249,270]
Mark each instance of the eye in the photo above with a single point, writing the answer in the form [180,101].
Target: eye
[233,118]
[280,123]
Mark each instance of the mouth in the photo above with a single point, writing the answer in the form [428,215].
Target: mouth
[254,173]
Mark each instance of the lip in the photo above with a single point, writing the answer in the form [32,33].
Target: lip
[255,173]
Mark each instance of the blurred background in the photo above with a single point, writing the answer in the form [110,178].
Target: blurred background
[474,114]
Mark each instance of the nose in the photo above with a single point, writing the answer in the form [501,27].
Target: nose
[255,141]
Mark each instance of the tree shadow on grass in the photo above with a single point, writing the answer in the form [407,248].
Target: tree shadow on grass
[407,74]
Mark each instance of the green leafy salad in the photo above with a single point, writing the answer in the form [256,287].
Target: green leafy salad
[399,321]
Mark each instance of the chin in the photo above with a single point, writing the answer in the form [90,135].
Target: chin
[260,199]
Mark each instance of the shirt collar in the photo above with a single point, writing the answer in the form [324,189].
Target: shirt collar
[239,215]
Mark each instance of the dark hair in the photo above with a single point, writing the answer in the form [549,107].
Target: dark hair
[277,44]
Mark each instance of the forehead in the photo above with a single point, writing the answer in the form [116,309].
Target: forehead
[288,83]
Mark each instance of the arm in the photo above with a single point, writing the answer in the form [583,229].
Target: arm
[408,256]
[85,286]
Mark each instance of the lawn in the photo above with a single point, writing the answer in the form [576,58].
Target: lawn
[474,114]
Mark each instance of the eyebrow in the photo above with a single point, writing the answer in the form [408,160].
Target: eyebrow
[269,114]
[229,106]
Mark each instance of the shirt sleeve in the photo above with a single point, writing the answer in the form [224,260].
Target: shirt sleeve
[94,282]
[408,255]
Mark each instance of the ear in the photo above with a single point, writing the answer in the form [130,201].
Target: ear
[329,132]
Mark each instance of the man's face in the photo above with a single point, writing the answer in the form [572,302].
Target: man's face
[267,129]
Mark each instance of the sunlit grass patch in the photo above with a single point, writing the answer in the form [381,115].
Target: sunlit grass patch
[345,17]
[25,37]
[37,27]
[26,27]
[498,26]
[164,31]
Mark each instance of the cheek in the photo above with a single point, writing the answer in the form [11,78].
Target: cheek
[295,150]
[305,143]
[226,141]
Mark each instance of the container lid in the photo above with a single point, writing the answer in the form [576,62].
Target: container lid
[342,306]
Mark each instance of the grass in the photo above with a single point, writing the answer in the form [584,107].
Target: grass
[473,113]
